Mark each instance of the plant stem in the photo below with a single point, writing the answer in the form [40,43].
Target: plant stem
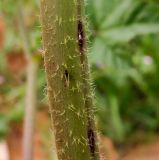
[68,79]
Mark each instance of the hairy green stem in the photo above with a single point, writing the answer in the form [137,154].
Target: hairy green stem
[68,79]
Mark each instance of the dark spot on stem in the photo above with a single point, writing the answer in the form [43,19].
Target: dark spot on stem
[66,74]
[91,141]
[80,36]
[81,39]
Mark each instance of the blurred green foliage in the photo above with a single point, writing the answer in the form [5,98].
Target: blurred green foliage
[124,58]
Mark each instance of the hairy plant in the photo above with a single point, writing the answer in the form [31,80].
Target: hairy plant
[67,71]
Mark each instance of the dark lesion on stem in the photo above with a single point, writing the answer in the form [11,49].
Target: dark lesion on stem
[91,136]
[66,74]
[91,141]
[66,78]
[81,40]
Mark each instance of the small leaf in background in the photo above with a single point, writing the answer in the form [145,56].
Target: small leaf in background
[116,123]
[17,112]
[127,33]
[115,16]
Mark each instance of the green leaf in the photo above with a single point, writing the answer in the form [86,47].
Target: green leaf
[117,13]
[16,113]
[98,10]
[138,79]
[127,33]
[115,119]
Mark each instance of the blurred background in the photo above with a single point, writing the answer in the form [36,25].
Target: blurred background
[124,61]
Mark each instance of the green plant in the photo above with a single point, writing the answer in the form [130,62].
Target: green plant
[68,83]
